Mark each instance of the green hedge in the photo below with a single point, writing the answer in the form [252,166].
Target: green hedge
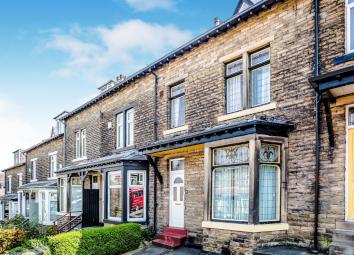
[105,241]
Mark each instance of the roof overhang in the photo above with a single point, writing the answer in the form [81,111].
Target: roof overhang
[196,141]
[9,197]
[116,160]
[39,185]
[337,83]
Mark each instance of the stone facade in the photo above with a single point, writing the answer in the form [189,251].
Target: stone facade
[14,173]
[42,152]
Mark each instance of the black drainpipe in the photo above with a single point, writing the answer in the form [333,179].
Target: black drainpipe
[156,80]
[318,124]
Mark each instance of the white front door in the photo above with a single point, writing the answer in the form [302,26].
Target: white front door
[177,193]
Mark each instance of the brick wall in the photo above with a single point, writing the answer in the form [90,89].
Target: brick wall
[43,161]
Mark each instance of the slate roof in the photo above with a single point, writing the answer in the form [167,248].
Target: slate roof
[9,197]
[39,185]
[260,125]
[44,142]
[240,17]
[104,161]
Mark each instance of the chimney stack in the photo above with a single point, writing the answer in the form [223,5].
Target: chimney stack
[217,21]
[121,78]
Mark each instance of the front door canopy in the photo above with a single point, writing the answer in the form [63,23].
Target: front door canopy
[272,127]
[338,83]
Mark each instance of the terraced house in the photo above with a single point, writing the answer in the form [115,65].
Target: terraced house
[218,143]
[31,186]
[237,141]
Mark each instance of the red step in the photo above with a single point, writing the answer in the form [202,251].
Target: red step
[171,237]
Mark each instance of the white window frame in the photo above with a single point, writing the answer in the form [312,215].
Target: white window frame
[125,129]
[348,26]
[109,186]
[129,120]
[120,130]
[9,186]
[130,172]
[48,206]
[53,155]
[80,144]
[172,99]
[34,169]
[62,184]
[20,179]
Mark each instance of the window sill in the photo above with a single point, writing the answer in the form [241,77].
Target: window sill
[79,159]
[175,130]
[346,57]
[235,115]
[246,228]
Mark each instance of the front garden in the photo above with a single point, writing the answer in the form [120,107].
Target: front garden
[20,236]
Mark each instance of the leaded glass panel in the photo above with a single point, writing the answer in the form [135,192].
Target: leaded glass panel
[236,154]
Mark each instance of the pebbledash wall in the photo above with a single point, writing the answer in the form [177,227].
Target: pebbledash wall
[42,152]
[288,28]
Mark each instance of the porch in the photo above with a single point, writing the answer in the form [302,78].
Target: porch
[104,191]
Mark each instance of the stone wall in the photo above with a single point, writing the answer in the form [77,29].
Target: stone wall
[14,171]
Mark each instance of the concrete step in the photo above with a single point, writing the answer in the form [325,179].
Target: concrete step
[343,236]
[341,248]
[345,225]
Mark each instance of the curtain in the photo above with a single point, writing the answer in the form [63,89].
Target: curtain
[231,193]
[260,85]
[268,193]
[234,94]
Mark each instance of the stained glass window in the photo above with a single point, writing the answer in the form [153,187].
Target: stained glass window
[235,154]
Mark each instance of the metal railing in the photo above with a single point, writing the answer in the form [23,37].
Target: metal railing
[69,225]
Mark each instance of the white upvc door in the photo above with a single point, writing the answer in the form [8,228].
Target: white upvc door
[177,193]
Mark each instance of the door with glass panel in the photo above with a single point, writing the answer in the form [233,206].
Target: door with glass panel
[350,165]
[177,193]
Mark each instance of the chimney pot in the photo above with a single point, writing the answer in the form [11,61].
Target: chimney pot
[217,21]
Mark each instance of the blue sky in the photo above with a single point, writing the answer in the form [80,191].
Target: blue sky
[54,54]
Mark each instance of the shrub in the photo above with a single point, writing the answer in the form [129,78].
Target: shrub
[10,238]
[104,241]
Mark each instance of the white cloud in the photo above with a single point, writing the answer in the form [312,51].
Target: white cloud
[16,132]
[97,53]
[146,5]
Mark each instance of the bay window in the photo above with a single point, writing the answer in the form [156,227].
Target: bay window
[177,106]
[125,129]
[245,188]
[76,194]
[350,25]
[115,198]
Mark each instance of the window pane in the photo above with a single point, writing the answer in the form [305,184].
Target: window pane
[177,90]
[351,28]
[234,67]
[234,94]
[177,165]
[62,195]
[269,153]
[136,195]
[231,155]
[115,203]
[120,130]
[77,148]
[53,206]
[130,127]
[76,195]
[268,193]
[115,179]
[230,193]
[260,57]
[177,112]
[83,143]
[260,85]
[351,116]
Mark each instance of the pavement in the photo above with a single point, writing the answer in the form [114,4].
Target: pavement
[155,250]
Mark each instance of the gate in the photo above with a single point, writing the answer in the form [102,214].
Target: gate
[90,208]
